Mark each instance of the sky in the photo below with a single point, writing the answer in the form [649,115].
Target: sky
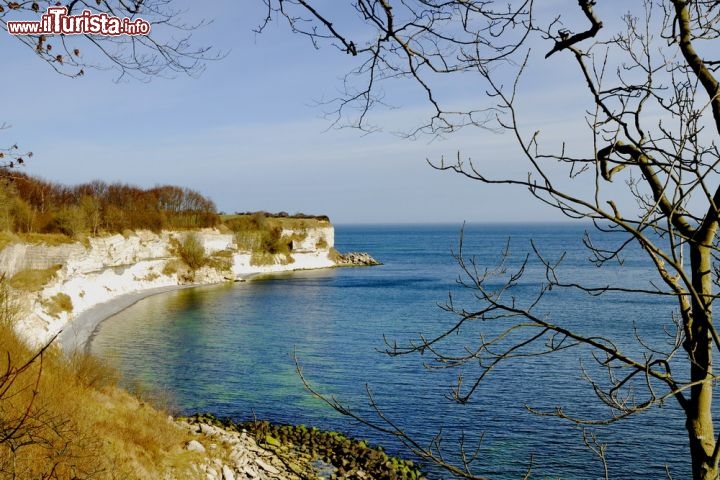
[249,133]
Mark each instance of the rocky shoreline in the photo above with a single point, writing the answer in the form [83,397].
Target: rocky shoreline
[262,451]
[231,454]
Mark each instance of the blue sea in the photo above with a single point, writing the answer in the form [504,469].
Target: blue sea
[234,350]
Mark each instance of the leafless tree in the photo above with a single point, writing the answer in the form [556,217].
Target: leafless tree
[648,71]
[167,49]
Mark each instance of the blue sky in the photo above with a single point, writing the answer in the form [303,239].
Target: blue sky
[248,133]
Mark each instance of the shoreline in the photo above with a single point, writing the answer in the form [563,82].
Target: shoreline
[80,331]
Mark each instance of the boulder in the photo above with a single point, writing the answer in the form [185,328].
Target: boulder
[195,446]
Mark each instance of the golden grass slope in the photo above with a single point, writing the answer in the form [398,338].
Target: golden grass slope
[65,418]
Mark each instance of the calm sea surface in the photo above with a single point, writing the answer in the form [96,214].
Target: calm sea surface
[229,350]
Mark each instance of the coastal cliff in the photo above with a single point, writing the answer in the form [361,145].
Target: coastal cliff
[69,279]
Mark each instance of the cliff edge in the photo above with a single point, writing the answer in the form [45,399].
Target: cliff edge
[62,282]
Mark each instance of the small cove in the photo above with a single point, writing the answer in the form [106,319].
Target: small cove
[229,350]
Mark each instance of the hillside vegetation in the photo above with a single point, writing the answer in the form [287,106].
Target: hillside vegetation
[65,418]
[38,210]
[32,205]
[268,235]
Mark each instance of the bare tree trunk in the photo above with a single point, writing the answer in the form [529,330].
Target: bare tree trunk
[699,348]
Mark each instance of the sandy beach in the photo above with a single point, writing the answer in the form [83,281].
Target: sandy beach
[79,331]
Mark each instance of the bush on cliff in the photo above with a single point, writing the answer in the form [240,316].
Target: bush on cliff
[192,252]
[32,280]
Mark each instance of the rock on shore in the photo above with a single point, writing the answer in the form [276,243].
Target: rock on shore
[230,455]
[263,451]
[360,259]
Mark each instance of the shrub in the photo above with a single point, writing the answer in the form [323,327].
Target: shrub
[151,276]
[222,264]
[32,280]
[262,258]
[221,261]
[70,221]
[334,255]
[192,252]
[321,243]
[273,242]
[25,217]
[9,305]
[171,267]
[265,258]
[58,304]
[248,241]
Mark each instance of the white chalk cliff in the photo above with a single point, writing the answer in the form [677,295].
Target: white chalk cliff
[101,269]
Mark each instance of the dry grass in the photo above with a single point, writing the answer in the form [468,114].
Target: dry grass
[222,260]
[66,418]
[191,251]
[321,243]
[334,255]
[58,304]
[248,241]
[265,258]
[151,276]
[33,280]
[220,263]
[7,238]
[171,267]
[50,239]
[261,220]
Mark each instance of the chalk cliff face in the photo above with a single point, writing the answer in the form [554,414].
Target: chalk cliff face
[101,269]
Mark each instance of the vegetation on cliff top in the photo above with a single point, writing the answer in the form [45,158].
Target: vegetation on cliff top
[32,205]
[267,236]
[33,209]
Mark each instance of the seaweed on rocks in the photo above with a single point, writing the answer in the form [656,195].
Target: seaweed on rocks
[327,454]
[350,459]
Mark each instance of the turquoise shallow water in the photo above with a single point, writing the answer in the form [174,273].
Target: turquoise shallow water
[229,350]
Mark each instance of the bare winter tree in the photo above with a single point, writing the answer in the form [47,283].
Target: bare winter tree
[652,110]
[12,156]
[166,49]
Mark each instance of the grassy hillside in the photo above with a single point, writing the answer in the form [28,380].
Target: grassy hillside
[66,418]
